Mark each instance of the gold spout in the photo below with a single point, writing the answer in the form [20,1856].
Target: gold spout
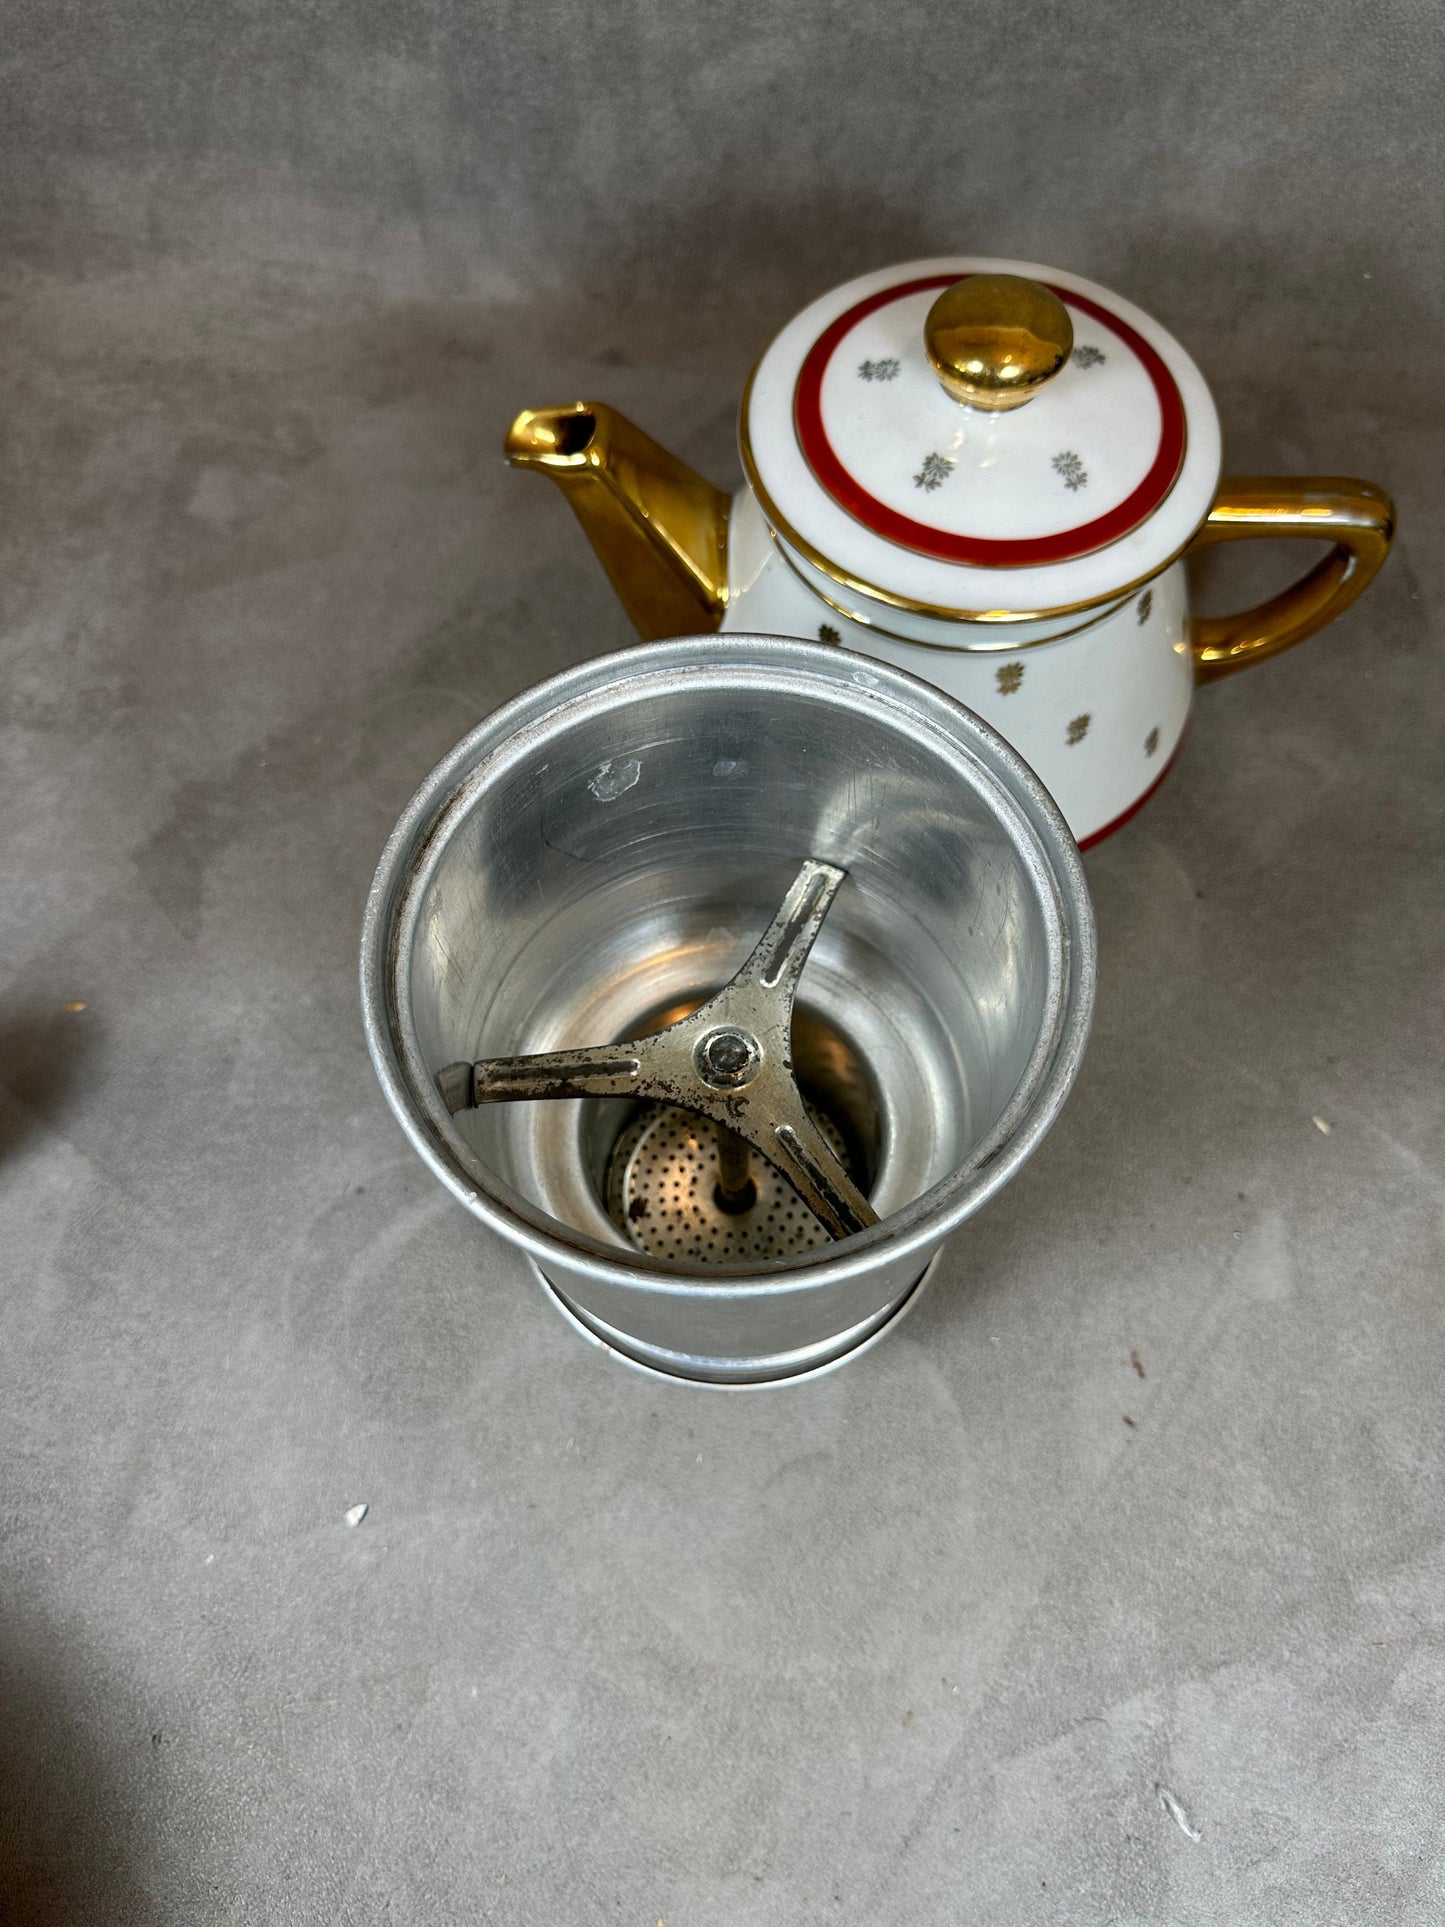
[659,530]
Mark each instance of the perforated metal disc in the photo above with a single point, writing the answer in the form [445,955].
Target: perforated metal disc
[661,1179]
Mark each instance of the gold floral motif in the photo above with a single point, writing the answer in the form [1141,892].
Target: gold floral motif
[1079,728]
[827,633]
[1146,603]
[1010,675]
[934,473]
[990,621]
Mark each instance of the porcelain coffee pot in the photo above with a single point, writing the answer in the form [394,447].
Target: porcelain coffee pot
[987,473]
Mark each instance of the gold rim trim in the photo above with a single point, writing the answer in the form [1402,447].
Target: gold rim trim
[1004,646]
[938,611]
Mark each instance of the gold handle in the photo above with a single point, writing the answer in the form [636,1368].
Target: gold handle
[1356,516]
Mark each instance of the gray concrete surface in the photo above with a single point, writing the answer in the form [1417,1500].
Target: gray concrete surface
[920,1643]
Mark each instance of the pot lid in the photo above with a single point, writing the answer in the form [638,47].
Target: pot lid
[980,439]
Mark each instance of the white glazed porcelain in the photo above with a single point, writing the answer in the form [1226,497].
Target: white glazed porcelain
[857,453]
[1095,697]
[1096,704]
[1023,554]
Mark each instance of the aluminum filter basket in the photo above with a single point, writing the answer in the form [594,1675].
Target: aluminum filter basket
[691,962]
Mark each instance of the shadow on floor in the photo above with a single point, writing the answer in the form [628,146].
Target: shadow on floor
[72,1844]
[44,1050]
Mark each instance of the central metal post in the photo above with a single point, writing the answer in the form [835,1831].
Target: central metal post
[730,1061]
[736,1190]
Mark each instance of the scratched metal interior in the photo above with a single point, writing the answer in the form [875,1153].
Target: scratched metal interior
[632,860]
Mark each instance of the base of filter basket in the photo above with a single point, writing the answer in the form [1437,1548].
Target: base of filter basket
[873,1336]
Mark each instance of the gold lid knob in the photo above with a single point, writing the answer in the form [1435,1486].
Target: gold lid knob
[995,339]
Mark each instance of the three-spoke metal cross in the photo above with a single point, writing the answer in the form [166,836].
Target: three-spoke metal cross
[730,1061]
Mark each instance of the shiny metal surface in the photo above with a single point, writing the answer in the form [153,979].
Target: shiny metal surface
[658,529]
[863,1342]
[609,847]
[995,340]
[671,1192]
[730,1061]
[1357,517]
